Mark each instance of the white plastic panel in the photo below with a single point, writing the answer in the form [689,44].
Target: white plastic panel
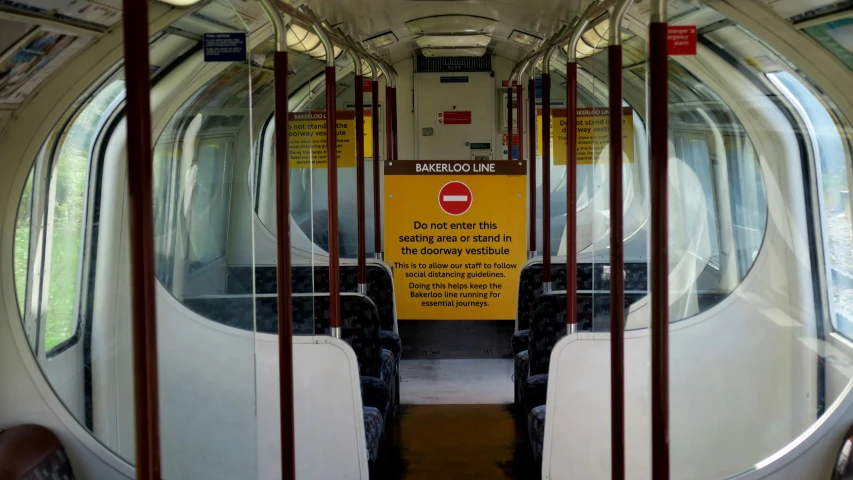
[328,411]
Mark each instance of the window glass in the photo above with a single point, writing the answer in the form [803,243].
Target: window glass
[66,219]
[834,194]
[694,151]
[209,221]
[22,244]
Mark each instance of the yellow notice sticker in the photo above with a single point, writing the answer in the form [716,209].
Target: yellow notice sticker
[455,236]
[593,134]
[307,131]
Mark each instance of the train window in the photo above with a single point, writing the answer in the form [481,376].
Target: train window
[308,186]
[208,222]
[66,216]
[22,244]
[833,192]
[64,194]
[195,197]
[694,150]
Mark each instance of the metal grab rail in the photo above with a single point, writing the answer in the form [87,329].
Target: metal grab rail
[572,169]
[617,254]
[359,172]
[332,176]
[531,131]
[658,243]
[546,165]
[283,254]
[141,203]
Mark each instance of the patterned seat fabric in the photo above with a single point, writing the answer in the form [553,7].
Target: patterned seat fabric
[391,341]
[519,341]
[530,287]
[536,430]
[55,467]
[374,424]
[389,364]
[521,367]
[376,393]
[359,328]
[308,279]
[547,327]
[535,391]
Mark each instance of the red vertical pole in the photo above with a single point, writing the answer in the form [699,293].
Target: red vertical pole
[285,324]
[509,120]
[519,95]
[389,122]
[617,282]
[571,192]
[141,203]
[394,123]
[546,180]
[377,207]
[531,109]
[659,256]
[332,156]
[360,178]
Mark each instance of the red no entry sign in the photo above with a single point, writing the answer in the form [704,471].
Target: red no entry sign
[455,198]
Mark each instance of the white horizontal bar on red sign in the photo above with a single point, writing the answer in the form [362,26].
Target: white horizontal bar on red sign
[455,198]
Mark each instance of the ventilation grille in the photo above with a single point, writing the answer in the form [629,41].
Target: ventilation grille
[455,64]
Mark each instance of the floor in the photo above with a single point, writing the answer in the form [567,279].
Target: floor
[456,382]
[450,442]
[457,422]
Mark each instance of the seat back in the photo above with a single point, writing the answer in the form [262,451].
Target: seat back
[315,279]
[548,322]
[360,325]
[30,452]
[590,277]
[530,287]
[547,326]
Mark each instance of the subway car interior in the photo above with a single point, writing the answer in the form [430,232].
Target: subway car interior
[558,239]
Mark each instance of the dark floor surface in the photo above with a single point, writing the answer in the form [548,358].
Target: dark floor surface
[449,442]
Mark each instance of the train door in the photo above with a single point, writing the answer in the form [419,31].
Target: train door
[454,116]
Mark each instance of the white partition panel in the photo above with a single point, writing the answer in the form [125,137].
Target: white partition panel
[330,440]
[742,388]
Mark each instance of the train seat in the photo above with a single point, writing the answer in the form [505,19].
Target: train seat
[30,452]
[536,430]
[374,425]
[360,328]
[310,279]
[529,289]
[521,368]
[547,326]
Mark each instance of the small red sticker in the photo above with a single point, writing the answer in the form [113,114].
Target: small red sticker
[454,117]
[506,139]
[367,86]
[681,40]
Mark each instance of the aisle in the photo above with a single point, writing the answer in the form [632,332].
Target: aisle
[449,442]
[456,381]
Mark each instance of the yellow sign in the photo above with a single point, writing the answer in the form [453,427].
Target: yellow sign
[455,236]
[307,131]
[593,134]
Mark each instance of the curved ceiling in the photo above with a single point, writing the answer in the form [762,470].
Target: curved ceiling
[367,18]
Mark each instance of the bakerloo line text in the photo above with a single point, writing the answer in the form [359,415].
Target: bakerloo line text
[478,167]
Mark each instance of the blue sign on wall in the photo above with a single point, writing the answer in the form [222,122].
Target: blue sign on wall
[515,151]
[225,47]
[539,87]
